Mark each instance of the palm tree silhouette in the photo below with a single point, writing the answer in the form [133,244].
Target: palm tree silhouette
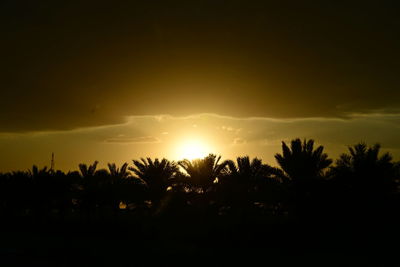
[245,175]
[88,171]
[242,182]
[202,177]
[125,189]
[156,174]
[302,171]
[115,184]
[363,169]
[36,172]
[52,189]
[364,186]
[118,173]
[90,189]
[44,186]
[247,170]
[301,162]
[203,173]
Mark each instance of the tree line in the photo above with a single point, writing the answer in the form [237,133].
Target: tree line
[361,183]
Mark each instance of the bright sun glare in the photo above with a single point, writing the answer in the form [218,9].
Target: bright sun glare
[193,149]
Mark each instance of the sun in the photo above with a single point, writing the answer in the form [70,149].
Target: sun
[193,149]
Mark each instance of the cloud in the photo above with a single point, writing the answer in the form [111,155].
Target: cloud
[238,141]
[132,140]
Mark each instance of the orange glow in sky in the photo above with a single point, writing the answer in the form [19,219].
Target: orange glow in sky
[193,149]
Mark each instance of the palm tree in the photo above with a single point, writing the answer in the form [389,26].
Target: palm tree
[203,173]
[156,174]
[303,168]
[36,172]
[249,171]
[90,186]
[301,162]
[363,169]
[88,171]
[365,185]
[244,183]
[124,188]
[52,189]
[44,188]
[245,175]
[202,177]
[118,173]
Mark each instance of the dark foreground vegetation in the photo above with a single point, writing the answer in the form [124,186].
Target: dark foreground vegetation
[207,212]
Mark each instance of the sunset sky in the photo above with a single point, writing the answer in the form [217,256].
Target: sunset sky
[117,80]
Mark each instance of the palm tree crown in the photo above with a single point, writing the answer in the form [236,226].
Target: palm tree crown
[156,174]
[203,172]
[118,173]
[248,172]
[365,167]
[88,171]
[301,162]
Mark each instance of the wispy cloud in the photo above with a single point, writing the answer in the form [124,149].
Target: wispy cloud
[132,140]
[239,141]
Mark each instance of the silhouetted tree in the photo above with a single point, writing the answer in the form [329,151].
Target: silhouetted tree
[125,189]
[303,168]
[364,171]
[202,176]
[117,175]
[43,186]
[88,171]
[90,189]
[301,162]
[157,175]
[244,183]
[203,172]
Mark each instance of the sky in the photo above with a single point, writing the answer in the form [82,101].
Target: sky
[116,80]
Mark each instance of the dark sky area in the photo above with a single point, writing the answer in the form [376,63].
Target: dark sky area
[69,64]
